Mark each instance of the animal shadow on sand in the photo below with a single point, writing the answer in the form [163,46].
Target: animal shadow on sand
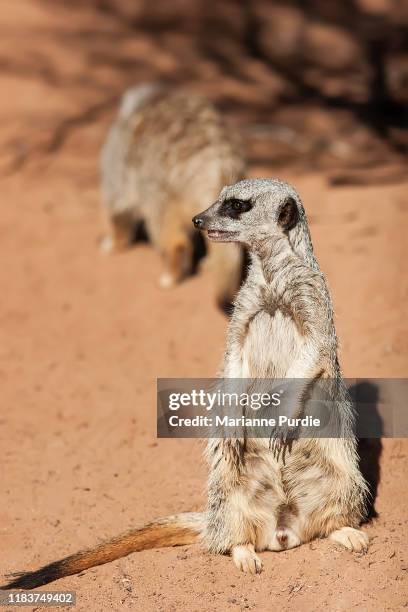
[369,449]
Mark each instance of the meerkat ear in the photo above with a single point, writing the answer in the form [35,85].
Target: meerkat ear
[288,214]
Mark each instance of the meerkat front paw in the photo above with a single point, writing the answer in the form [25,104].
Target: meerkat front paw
[246,559]
[167,281]
[351,538]
[107,244]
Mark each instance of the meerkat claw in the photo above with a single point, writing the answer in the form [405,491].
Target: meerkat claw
[246,560]
[351,538]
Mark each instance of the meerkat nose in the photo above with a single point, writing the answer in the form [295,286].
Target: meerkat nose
[198,222]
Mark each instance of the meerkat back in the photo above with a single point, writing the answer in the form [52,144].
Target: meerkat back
[166,156]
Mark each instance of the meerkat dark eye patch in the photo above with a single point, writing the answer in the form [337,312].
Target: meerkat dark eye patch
[288,214]
[234,208]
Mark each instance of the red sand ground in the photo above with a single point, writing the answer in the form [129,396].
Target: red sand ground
[83,338]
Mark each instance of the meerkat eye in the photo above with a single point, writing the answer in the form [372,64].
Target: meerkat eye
[234,207]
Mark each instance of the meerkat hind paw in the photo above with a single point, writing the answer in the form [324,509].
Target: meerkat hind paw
[351,538]
[246,560]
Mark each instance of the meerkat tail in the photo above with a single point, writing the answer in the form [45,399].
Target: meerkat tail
[174,530]
[136,97]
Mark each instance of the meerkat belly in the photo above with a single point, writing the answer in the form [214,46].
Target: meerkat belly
[288,498]
[271,344]
[270,499]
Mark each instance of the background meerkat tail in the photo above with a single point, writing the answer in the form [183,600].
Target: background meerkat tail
[227,265]
[170,531]
[136,97]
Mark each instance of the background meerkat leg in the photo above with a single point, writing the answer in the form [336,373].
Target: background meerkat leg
[246,559]
[175,246]
[226,263]
[120,232]
[177,255]
[353,539]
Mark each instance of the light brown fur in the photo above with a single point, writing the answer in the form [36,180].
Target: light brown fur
[167,154]
[170,531]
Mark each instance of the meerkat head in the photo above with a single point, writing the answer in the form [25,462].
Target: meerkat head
[250,210]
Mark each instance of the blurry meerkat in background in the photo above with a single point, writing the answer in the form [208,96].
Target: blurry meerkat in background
[166,157]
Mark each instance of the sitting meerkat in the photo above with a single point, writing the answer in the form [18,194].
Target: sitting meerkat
[282,327]
[167,154]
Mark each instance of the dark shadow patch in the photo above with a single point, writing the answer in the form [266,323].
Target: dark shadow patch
[199,250]
[139,233]
[369,449]
[227,306]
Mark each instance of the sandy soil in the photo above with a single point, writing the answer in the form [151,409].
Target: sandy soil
[83,338]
